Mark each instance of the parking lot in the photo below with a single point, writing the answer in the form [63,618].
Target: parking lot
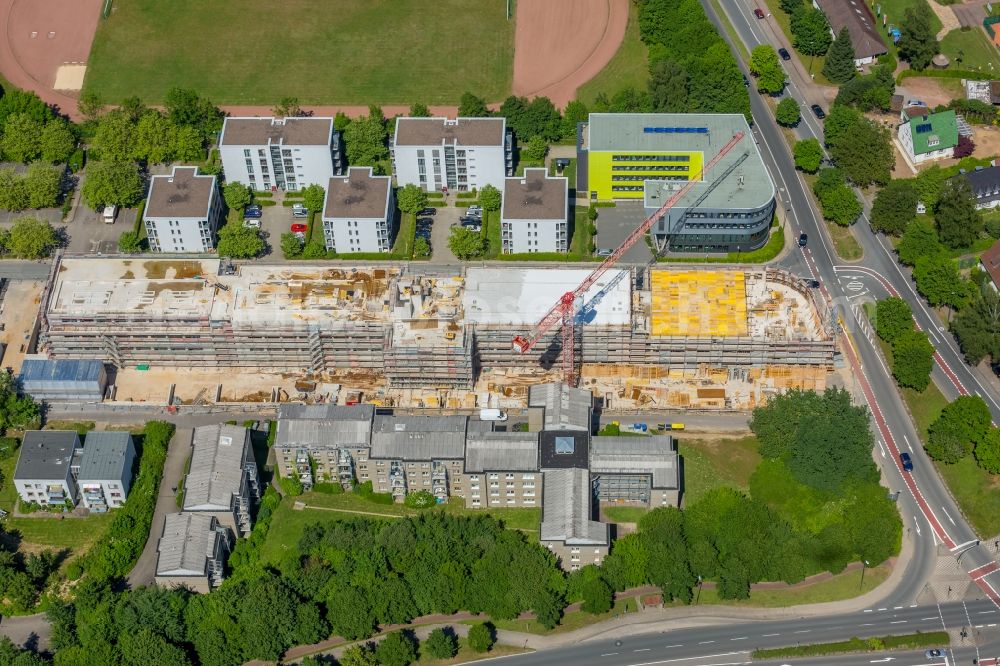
[277,220]
[88,233]
[615,224]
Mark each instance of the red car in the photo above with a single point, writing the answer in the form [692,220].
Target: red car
[759,13]
[299,227]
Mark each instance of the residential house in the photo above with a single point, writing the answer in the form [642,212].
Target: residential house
[856,16]
[359,213]
[319,443]
[459,155]
[534,213]
[105,474]
[413,453]
[44,473]
[501,470]
[990,262]
[929,137]
[182,212]
[191,552]
[985,185]
[222,480]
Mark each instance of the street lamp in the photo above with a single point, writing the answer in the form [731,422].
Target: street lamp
[699,591]
[864,565]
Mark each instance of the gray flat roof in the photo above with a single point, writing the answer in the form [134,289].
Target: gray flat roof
[358,194]
[326,412]
[566,510]
[285,131]
[535,196]
[188,541]
[104,456]
[653,455]
[419,437]
[501,452]
[183,193]
[46,454]
[216,467]
[322,433]
[461,131]
[566,408]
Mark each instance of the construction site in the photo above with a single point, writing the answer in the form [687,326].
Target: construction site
[392,335]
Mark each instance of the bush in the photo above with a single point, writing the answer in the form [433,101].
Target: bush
[291,485]
[441,644]
[328,488]
[482,636]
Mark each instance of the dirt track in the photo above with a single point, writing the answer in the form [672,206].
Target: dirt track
[561,44]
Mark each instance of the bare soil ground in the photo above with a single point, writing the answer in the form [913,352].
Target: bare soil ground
[153,385]
[17,314]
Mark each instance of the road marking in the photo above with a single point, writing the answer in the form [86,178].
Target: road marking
[855,285]
[673,646]
[882,609]
[925,619]
[911,451]
[769,635]
[947,516]
[802,631]
[986,612]
[897,608]
[705,642]
[741,638]
[898,622]
[609,654]
[917,523]
[641,650]
[706,656]
[867,610]
[867,624]
[882,449]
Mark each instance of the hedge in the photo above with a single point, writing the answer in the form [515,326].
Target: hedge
[939,74]
[604,204]
[438,195]
[437,204]
[472,194]
[759,256]
[906,641]
[267,202]
[262,194]
[546,256]
[137,226]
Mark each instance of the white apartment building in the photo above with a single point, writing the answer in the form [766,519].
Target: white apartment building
[183,211]
[458,155]
[280,153]
[44,472]
[359,212]
[105,474]
[534,213]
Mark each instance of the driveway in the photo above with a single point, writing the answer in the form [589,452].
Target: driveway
[277,220]
[89,234]
[445,219]
[30,631]
[173,469]
[615,224]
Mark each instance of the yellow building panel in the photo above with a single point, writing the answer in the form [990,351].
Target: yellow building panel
[699,304]
[620,174]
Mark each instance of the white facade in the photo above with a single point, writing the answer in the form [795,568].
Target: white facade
[905,136]
[182,212]
[534,213]
[460,155]
[105,474]
[359,212]
[279,153]
[44,472]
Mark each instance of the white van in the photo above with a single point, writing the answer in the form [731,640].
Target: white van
[109,214]
[492,415]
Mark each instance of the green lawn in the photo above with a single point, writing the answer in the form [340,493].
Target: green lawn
[842,586]
[346,52]
[405,236]
[977,493]
[77,534]
[844,242]
[580,243]
[709,464]
[628,67]
[977,52]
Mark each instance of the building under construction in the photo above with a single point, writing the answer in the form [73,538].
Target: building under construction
[400,329]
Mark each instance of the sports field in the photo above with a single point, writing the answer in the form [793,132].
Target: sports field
[350,52]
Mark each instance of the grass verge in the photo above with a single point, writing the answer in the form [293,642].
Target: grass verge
[570,622]
[628,67]
[844,242]
[403,246]
[907,641]
[846,585]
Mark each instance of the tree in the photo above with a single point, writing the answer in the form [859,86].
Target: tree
[918,41]
[90,105]
[410,198]
[113,139]
[988,451]
[977,327]
[358,655]
[839,65]
[418,110]
[114,183]
[396,649]
[490,198]
[287,107]
[597,596]
[958,222]
[962,424]
[788,112]
[129,243]
[864,152]
[765,66]
[790,6]
[421,248]
[187,108]
[837,201]
[237,195]
[13,191]
[838,124]
[966,146]
[189,146]
[291,245]
[239,242]
[893,318]
[365,138]
[314,197]
[810,31]
[441,644]
[31,238]
[938,280]
[57,142]
[535,149]
[866,93]
[481,637]
[895,207]
[21,141]
[929,183]
[466,244]
[470,106]
[912,359]
[14,101]
[668,83]
[873,524]
[808,155]
[42,184]
[576,112]
[154,138]
[919,240]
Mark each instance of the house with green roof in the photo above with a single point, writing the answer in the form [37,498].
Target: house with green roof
[929,137]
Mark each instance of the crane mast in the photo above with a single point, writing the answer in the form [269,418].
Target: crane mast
[564,309]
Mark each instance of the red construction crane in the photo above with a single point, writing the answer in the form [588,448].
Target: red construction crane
[565,309]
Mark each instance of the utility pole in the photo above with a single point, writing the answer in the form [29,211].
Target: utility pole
[864,565]
[699,591]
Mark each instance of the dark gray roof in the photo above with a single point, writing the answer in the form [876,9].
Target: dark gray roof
[188,541]
[181,194]
[565,407]
[462,131]
[216,467]
[61,370]
[46,454]
[326,412]
[559,449]
[501,452]
[566,510]
[536,196]
[654,455]
[358,194]
[419,437]
[105,456]
[855,16]
[985,183]
[285,131]
[319,426]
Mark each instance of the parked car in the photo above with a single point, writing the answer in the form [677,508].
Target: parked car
[603,252]
[466,221]
[785,55]
[475,210]
[298,210]
[424,220]
[818,111]
[803,239]
[299,228]
[109,213]
[251,224]
[426,211]
[907,461]
[252,213]
[758,12]
[934,652]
